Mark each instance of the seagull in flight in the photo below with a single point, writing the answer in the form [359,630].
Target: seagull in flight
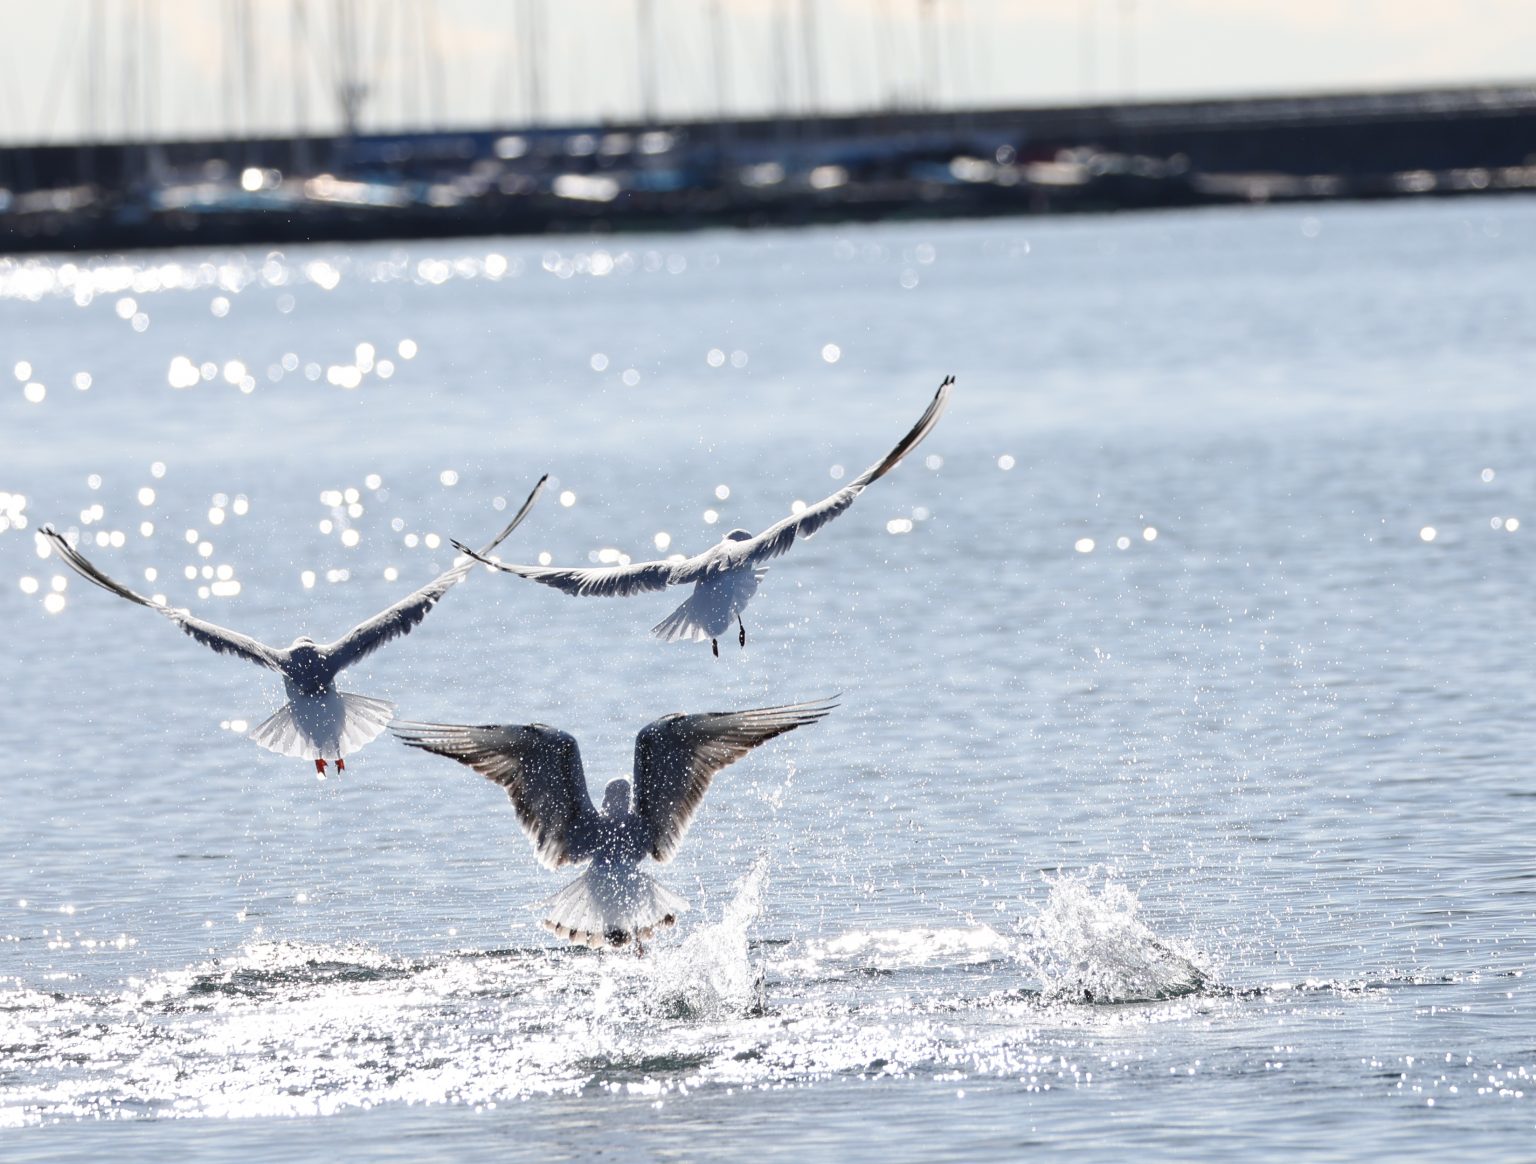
[612,903]
[318,722]
[725,576]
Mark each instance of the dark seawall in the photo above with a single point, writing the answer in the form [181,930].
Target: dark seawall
[686,174]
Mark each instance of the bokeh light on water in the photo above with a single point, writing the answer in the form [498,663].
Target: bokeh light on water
[1098,836]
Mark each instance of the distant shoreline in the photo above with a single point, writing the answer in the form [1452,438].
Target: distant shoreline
[765,172]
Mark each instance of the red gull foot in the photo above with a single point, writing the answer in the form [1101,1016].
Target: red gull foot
[320,767]
[341,765]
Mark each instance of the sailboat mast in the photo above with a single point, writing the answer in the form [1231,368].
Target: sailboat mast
[532,52]
[812,67]
[299,79]
[645,45]
[718,54]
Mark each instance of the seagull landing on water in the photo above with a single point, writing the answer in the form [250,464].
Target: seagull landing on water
[725,576]
[318,722]
[612,903]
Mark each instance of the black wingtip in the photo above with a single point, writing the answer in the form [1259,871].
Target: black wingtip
[815,709]
[409,731]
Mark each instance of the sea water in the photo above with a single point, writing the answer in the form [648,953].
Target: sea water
[1179,799]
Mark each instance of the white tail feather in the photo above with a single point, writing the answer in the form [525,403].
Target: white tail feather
[680,625]
[711,610]
[323,727]
[611,907]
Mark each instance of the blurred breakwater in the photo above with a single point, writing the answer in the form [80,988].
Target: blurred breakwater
[771,171]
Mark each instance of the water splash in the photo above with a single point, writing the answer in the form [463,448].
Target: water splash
[902,948]
[1089,946]
[710,974]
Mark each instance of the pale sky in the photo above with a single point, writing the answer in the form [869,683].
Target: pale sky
[176,68]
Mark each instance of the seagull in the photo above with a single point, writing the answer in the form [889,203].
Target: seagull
[725,576]
[612,903]
[318,722]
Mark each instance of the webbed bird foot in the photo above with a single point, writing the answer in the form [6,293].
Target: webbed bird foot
[714,645]
[320,767]
[341,765]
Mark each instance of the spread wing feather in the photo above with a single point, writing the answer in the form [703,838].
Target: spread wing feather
[778,537]
[405,615]
[539,766]
[677,755]
[220,639]
[600,581]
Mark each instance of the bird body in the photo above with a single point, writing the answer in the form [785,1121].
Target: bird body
[612,903]
[718,598]
[317,722]
[725,576]
[307,671]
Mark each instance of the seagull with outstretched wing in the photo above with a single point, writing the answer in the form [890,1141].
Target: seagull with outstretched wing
[318,722]
[612,903]
[725,576]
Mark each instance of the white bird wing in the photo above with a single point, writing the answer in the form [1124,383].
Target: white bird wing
[404,616]
[677,755]
[220,639]
[599,581]
[777,538]
[539,766]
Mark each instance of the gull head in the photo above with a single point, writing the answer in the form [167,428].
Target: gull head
[616,798]
[739,535]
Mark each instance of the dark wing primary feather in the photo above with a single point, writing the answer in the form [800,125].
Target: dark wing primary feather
[220,639]
[676,756]
[517,518]
[404,616]
[778,537]
[600,581]
[539,766]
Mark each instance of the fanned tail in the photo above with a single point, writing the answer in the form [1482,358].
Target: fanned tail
[607,907]
[323,727]
[710,610]
[681,625]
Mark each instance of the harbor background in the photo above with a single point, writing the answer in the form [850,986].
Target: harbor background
[251,122]
[1177,802]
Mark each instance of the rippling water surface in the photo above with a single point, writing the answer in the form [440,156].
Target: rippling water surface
[1180,796]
